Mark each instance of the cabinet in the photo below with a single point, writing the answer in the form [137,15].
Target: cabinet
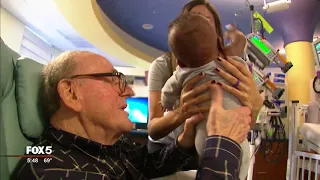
[265,170]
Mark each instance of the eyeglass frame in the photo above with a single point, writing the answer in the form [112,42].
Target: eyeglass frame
[110,74]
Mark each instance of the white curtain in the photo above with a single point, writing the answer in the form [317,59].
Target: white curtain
[35,47]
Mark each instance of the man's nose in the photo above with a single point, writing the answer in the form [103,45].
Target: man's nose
[128,92]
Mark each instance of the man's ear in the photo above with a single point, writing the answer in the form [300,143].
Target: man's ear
[67,92]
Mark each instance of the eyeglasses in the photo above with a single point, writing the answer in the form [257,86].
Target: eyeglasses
[121,78]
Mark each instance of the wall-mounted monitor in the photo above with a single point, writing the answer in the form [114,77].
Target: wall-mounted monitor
[137,107]
[316,48]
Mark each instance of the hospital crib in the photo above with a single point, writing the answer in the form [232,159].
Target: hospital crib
[304,144]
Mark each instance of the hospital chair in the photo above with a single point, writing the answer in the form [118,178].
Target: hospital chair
[21,120]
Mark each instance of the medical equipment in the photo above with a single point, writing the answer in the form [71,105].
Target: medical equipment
[254,143]
[275,129]
[276,6]
[261,53]
[258,49]
[262,57]
[269,133]
[258,23]
[304,161]
[263,80]
[316,80]
[272,131]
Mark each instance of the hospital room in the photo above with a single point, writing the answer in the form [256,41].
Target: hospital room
[160,90]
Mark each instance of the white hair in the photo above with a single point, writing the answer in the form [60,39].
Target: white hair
[59,68]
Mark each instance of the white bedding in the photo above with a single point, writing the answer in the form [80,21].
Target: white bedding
[311,132]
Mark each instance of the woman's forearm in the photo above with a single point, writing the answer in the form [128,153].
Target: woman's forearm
[160,127]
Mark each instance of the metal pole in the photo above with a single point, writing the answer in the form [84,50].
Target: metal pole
[252,11]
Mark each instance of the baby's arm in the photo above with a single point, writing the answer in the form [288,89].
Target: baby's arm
[170,93]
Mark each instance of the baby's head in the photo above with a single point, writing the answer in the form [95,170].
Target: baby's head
[193,40]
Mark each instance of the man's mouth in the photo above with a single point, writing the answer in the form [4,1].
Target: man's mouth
[124,107]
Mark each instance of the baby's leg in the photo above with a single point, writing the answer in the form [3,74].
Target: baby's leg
[201,135]
[245,160]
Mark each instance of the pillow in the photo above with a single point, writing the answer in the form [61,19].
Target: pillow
[28,85]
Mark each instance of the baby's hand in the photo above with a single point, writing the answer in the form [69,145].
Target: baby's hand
[233,33]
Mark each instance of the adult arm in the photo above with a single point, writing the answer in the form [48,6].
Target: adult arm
[160,125]
[165,161]
[221,159]
[189,100]
[170,93]
[173,157]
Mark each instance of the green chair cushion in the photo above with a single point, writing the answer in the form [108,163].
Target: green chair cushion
[28,86]
[12,140]
[8,60]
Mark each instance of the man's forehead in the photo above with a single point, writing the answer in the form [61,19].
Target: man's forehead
[114,70]
[95,63]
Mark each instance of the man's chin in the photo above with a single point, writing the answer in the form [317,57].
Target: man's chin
[128,126]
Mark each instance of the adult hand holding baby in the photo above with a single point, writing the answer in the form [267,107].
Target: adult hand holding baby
[243,85]
[233,123]
[189,110]
[191,97]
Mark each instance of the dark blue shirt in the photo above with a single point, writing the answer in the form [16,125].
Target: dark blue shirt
[76,158]
[221,159]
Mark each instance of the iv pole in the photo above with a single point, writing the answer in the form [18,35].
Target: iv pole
[252,146]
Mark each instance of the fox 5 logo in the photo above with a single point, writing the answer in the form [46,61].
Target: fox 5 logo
[38,150]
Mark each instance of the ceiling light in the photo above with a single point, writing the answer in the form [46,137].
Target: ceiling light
[147,26]
[238,14]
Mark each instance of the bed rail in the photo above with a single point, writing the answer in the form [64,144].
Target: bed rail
[301,165]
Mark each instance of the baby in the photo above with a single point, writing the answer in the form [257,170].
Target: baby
[194,42]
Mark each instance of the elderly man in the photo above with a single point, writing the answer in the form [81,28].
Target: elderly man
[85,98]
